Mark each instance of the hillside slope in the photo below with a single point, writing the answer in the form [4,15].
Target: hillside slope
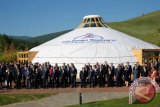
[26,38]
[47,37]
[146,27]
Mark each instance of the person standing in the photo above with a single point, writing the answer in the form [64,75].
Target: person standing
[144,70]
[156,64]
[46,75]
[111,71]
[101,76]
[23,72]
[81,76]
[43,75]
[28,78]
[53,78]
[118,75]
[130,71]
[19,75]
[63,76]
[136,71]
[73,75]
[96,69]
[50,74]
[91,75]
[36,76]
[126,74]
[65,69]
[68,70]
[31,73]
[86,70]
[9,77]
[57,74]
[106,66]
[122,66]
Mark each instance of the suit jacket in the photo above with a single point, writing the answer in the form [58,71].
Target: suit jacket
[9,76]
[86,70]
[118,72]
[130,69]
[91,74]
[144,72]
[101,72]
[96,72]
[73,72]
[37,76]
[68,70]
[136,72]
[106,69]
[63,73]
[56,75]
[111,71]
[81,75]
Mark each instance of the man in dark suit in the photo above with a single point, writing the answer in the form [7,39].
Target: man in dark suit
[68,70]
[65,67]
[86,70]
[96,70]
[57,75]
[81,76]
[37,78]
[19,77]
[118,75]
[136,71]
[63,73]
[106,66]
[46,76]
[111,71]
[91,77]
[156,64]
[73,75]
[28,78]
[23,72]
[144,70]
[101,76]
[130,71]
[9,77]
[3,71]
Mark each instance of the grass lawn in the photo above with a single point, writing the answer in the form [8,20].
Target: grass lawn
[6,99]
[121,102]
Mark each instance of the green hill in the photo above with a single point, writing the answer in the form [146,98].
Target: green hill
[26,38]
[47,37]
[25,42]
[146,27]
[39,39]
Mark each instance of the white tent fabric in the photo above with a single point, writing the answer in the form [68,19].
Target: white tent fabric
[95,44]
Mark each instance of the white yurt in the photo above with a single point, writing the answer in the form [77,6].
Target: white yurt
[93,41]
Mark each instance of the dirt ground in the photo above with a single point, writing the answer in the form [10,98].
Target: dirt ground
[64,90]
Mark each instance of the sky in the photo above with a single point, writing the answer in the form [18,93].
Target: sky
[38,17]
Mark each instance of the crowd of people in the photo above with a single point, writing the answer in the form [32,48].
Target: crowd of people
[27,75]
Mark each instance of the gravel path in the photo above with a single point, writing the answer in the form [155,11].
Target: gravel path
[64,90]
[64,99]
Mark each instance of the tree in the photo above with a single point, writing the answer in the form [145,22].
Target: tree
[7,49]
[12,49]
